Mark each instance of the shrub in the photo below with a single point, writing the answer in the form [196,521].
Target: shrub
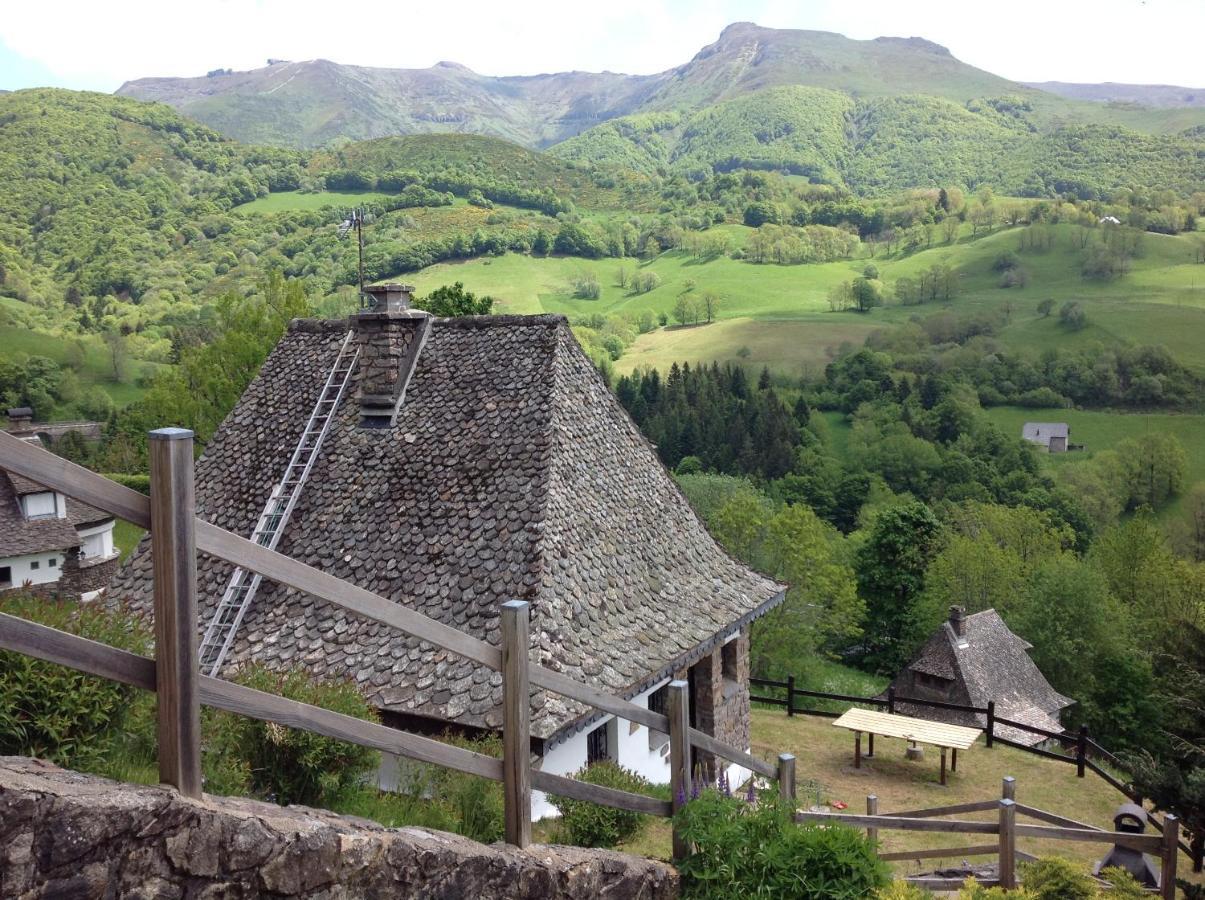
[587,824]
[1052,878]
[56,713]
[474,804]
[1072,315]
[140,483]
[902,890]
[586,286]
[288,765]
[756,850]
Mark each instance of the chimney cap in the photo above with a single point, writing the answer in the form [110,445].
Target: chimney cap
[390,297]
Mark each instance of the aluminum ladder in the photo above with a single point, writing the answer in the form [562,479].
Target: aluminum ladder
[240,591]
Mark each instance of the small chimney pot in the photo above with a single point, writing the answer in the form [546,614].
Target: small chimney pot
[958,620]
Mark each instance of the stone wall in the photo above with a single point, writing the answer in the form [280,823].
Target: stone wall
[722,698]
[63,834]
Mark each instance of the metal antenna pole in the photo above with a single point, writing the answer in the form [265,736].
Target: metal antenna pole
[359,214]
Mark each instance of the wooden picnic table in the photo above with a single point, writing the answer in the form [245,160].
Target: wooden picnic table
[917,731]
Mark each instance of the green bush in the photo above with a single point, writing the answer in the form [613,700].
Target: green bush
[587,824]
[56,713]
[742,849]
[140,483]
[288,765]
[472,805]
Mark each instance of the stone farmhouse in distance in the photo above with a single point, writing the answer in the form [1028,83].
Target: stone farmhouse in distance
[472,461]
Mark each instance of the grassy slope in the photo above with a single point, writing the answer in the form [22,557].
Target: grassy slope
[781,312]
[96,368]
[1104,430]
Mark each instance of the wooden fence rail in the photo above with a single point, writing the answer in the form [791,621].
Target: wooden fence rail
[1007,830]
[1079,742]
[176,536]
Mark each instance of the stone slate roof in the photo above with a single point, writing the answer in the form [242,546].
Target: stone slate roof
[18,535]
[1042,432]
[988,662]
[511,473]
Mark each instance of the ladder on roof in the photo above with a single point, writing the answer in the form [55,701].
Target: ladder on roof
[240,591]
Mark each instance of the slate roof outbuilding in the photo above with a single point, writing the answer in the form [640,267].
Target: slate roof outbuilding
[511,473]
[988,662]
[1043,432]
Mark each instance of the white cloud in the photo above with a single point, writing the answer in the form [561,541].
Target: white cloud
[99,45]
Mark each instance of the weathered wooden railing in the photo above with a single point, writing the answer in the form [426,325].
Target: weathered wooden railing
[1078,743]
[176,536]
[1007,830]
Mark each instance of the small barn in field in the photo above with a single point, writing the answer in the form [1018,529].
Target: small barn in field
[971,660]
[470,461]
[1051,435]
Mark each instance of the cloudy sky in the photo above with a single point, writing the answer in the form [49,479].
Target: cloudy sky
[87,44]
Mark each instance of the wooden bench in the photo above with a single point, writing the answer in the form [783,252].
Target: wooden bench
[918,731]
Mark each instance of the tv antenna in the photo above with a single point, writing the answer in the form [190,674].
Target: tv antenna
[357,219]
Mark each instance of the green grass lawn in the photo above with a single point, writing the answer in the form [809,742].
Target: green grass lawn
[825,774]
[291,200]
[126,536]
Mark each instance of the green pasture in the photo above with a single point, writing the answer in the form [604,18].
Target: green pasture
[285,201]
[781,313]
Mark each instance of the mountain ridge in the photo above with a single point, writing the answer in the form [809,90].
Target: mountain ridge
[317,103]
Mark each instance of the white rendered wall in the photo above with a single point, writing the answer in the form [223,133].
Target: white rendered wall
[23,571]
[628,747]
[97,542]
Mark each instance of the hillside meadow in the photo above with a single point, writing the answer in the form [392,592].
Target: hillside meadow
[779,315]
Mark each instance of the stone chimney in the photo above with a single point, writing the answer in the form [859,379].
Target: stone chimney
[20,419]
[391,336]
[958,620]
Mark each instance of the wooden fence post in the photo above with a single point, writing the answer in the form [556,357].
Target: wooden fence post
[891,698]
[786,778]
[872,809]
[1171,847]
[991,721]
[1008,844]
[790,695]
[1008,788]
[1198,851]
[679,755]
[174,570]
[1081,750]
[516,722]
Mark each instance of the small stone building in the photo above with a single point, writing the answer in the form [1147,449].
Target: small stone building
[51,544]
[971,660]
[473,461]
[1051,435]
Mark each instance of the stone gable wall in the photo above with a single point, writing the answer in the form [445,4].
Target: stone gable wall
[722,704]
[63,834]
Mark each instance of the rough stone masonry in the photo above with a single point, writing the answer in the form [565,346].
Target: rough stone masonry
[67,835]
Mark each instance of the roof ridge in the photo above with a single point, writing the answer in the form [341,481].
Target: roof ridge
[315,325]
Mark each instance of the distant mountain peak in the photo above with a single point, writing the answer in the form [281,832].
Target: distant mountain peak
[455,66]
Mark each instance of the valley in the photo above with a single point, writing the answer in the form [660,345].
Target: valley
[819,283]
